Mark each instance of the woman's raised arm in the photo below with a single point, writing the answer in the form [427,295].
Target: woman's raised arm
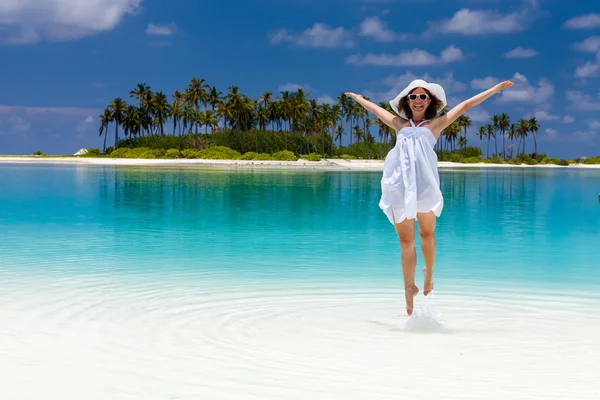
[442,122]
[391,120]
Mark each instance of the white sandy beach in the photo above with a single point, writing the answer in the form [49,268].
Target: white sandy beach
[109,338]
[72,331]
[330,163]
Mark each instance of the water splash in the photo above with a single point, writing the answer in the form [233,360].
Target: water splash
[425,318]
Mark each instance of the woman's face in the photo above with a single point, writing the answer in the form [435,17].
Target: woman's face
[417,102]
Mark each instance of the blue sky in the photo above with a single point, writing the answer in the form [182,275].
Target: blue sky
[62,61]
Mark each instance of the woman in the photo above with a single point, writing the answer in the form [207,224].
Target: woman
[410,186]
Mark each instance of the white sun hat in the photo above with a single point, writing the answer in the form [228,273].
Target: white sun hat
[433,88]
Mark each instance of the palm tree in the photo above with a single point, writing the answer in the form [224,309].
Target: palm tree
[176,113]
[214,98]
[451,133]
[162,110]
[313,118]
[382,131]
[496,127]
[208,119]
[481,134]
[533,128]
[196,93]
[188,118]
[299,110]
[336,118]
[367,123]
[347,106]
[132,120]
[246,116]
[234,104]
[503,124]
[285,112]
[105,119]
[294,114]
[522,130]
[512,133]
[490,133]
[143,93]
[464,122]
[117,113]
[139,92]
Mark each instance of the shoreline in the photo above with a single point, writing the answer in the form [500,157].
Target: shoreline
[335,164]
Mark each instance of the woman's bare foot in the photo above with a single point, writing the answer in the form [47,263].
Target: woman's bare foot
[409,293]
[428,283]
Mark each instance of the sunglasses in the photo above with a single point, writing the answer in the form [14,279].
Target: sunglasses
[422,96]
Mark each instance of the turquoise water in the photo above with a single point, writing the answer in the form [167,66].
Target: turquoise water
[185,283]
[538,228]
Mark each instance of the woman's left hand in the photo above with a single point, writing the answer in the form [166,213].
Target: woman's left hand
[503,85]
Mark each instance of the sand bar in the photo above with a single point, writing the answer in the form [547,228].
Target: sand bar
[330,163]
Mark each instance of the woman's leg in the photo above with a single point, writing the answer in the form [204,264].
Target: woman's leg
[426,231]
[406,234]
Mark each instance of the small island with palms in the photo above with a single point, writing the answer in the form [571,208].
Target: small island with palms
[200,122]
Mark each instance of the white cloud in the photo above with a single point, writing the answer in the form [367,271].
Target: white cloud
[415,57]
[451,53]
[448,82]
[485,83]
[594,125]
[552,134]
[479,22]
[588,21]
[29,22]
[394,85]
[374,28]
[580,136]
[325,100]
[318,36]
[85,126]
[161,30]
[405,58]
[478,114]
[545,116]
[290,87]
[583,136]
[520,52]
[523,91]
[589,45]
[588,70]
[567,119]
[582,101]
[70,111]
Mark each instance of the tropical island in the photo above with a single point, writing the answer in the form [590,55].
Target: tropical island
[203,123]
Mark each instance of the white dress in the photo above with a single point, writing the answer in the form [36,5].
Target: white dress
[410,181]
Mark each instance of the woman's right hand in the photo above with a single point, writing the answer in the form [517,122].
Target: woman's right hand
[353,95]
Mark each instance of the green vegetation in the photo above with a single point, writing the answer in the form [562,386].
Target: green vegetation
[287,127]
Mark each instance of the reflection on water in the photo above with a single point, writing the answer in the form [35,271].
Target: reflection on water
[515,224]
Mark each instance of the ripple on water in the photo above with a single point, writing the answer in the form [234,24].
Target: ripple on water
[96,336]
